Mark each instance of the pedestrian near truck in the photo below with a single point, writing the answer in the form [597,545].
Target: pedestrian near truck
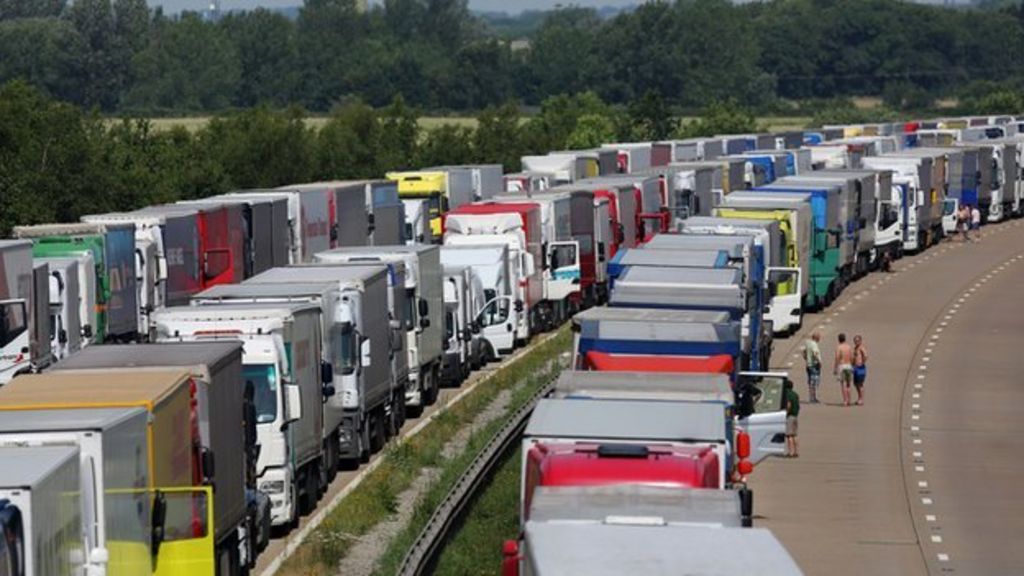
[792,401]
[842,368]
[860,367]
[812,360]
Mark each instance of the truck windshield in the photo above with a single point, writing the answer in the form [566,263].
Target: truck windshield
[264,384]
[562,256]
[947,207]
[12,321]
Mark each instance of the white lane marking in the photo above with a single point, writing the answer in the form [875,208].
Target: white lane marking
[927,501]
[939,329]
[915,417]
[923,367]
[922,483]
[918,440]
[920,376]
[943,323]
[926,359]
[917,386]
[916,395]
[789,364]
[936,538]
[927,350]
[915,406]
[915,428]
[930,517]
[943,557]
[918,454]
[918,468]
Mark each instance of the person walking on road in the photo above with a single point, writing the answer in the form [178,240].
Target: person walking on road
[812,358]
[842,367]
[963,216]
[975,222]
[792,400]
[860,367]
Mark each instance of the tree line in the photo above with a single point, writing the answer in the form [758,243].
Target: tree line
[59,162]
[121,56]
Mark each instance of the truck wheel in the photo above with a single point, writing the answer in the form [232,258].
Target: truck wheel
[429,388]
[378,437]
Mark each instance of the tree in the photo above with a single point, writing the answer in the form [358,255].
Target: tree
[591,131]
[496,139]
[650,117]
[347,145]
[399,135]
[44,53]
[721,118]
[14,9]
[268,58]
[446,144]
[259,148]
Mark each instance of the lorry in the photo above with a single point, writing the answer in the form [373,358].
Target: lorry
[281,358]
[106,256]
[486,178]
[24,312]
[111,446]
[517,226]
[417,222]
[644,208]
[619,545]
[763,423]
[169,454]
[64,306]
[40,518]
[355,331]
[602,336]
[626,428]
[387,213]
[349,203]
[920,176]
[267,229]
[570,255]
[634,156]
[310,213]
[496,317]
[423,313]
[464,350]
[228,457]
[785,284]
[443,190]
[1006,178]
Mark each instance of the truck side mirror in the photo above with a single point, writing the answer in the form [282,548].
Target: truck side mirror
[424,322]
[293,403]
[87,331]
[328,391]
[326,372]
[424,308]
[208,464]
[467,335]
[62,336]
[519,305]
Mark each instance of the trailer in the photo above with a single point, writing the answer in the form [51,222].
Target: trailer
[920,174]
[486,178]
[632,157]
[40,512]
[267,228]
[423,315]
[443,190]
[564,167]
[21,302]
[106,253]
[387,214]
[222,411]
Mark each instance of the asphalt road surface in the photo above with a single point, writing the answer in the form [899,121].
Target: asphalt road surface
[923,479]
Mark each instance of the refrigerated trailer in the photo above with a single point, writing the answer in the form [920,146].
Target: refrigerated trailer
[106,255]
[443,190]
[267,229]
[65,306]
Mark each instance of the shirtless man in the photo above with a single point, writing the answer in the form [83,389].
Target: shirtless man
[842,368]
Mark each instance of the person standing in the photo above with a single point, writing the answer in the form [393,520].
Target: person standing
[860,367]
[792,400]
[812,359]
[975,222]
[842,367]
[963,215]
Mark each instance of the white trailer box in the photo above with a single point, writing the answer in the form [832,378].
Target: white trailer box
[39,510]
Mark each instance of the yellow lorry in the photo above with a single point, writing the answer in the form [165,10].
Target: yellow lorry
[443,190]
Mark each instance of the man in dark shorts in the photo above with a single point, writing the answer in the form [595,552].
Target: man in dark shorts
[792,402]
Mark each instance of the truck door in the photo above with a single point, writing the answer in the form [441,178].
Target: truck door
[766,425]
[187,547]
[785,305]
[495,319]
[949,209]
[12,540]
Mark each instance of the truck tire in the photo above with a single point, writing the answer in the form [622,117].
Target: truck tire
[430,391]
[379,433]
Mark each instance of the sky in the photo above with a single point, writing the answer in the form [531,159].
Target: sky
[174,6]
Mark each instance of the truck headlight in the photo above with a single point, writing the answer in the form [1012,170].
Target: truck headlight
[272,487]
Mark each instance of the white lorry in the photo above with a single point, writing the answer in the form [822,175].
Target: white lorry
[110,445]
[24,311]
[422,314]
[417,222]
[464,349]
[65,307]
[493,265]
[39,512]
[281,358]
[355,331]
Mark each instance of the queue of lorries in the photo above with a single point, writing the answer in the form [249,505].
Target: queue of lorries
[180,380]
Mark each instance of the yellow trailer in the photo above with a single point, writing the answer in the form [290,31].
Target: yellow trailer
[443,190]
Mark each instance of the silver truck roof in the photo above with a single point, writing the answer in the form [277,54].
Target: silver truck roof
[33,464]
[670,505]
[652,315]
[235,311]
[19,421]
[557,548]
[674,297]
[639,420]
[659,332]
[708,221]
[673,258]
[266,290]
[319,272]
[724,277]
[697,241]
[645,386]
[374,250]
[184,354]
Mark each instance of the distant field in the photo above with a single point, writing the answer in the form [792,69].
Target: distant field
[772,123]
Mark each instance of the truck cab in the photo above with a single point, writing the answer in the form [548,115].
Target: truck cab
[64,306]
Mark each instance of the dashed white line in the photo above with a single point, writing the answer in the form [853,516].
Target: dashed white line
[943,557]
[922,483]
[916,395]
[915,416]
[915,428]
[918,468]
[936,538]
[918,441]
[918,454]
[915,406]
[930,518]
[927,501]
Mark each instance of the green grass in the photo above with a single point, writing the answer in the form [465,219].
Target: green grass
[492,518]
[374,500]
[451,470]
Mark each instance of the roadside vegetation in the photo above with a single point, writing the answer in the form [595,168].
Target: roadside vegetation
[376,498]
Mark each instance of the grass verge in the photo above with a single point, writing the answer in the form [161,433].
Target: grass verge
[492,518]
[375,499]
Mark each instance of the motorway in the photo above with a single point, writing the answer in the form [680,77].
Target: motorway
[923,478]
